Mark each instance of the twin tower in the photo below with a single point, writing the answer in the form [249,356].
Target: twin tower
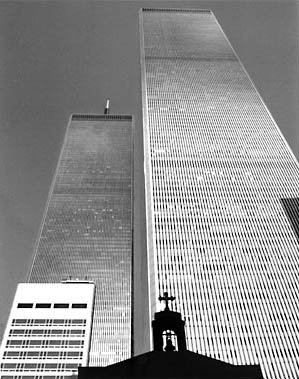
[221,191]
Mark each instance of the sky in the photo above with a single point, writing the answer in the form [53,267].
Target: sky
[62,57]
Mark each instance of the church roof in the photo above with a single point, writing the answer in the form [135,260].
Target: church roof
[183,364]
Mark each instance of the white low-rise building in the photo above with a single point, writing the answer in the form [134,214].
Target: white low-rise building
[48,330]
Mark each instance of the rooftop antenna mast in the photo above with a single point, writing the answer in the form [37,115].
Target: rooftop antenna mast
[107,108]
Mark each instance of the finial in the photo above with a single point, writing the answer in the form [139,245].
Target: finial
[107,109]
[166,298]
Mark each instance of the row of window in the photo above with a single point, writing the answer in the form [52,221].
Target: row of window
[39,366]
[47,322]
[47,332]
[49,305]
[44,343]
[42,354]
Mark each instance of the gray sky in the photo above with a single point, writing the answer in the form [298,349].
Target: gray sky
[59,57]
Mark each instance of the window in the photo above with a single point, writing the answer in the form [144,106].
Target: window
[32,353]
[78,322]
[14,342]
[61,305]
[11,354]
[77,331]
[52,354]
[43,305]
[59,322]
[39,321]
[30,366]
[35,343]
[25,305]
[19,321]
[75,342]
[71,365]
[8,365]
[37,332]
[17,332]
[79,305]
[73,353]
[58,331]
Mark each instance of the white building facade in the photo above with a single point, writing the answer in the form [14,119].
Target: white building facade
[222,191]
[48,331]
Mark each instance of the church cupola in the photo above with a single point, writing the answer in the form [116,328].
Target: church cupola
[168,328]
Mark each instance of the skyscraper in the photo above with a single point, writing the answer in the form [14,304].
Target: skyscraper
[221,196]
[87,227]
[48,330]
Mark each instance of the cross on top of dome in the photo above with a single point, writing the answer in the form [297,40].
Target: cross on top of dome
[166,298]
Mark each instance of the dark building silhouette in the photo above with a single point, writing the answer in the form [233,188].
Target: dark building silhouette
[171,359]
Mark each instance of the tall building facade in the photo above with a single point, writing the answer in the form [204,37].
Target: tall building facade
[48,330]
[87,228]
[222,191]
